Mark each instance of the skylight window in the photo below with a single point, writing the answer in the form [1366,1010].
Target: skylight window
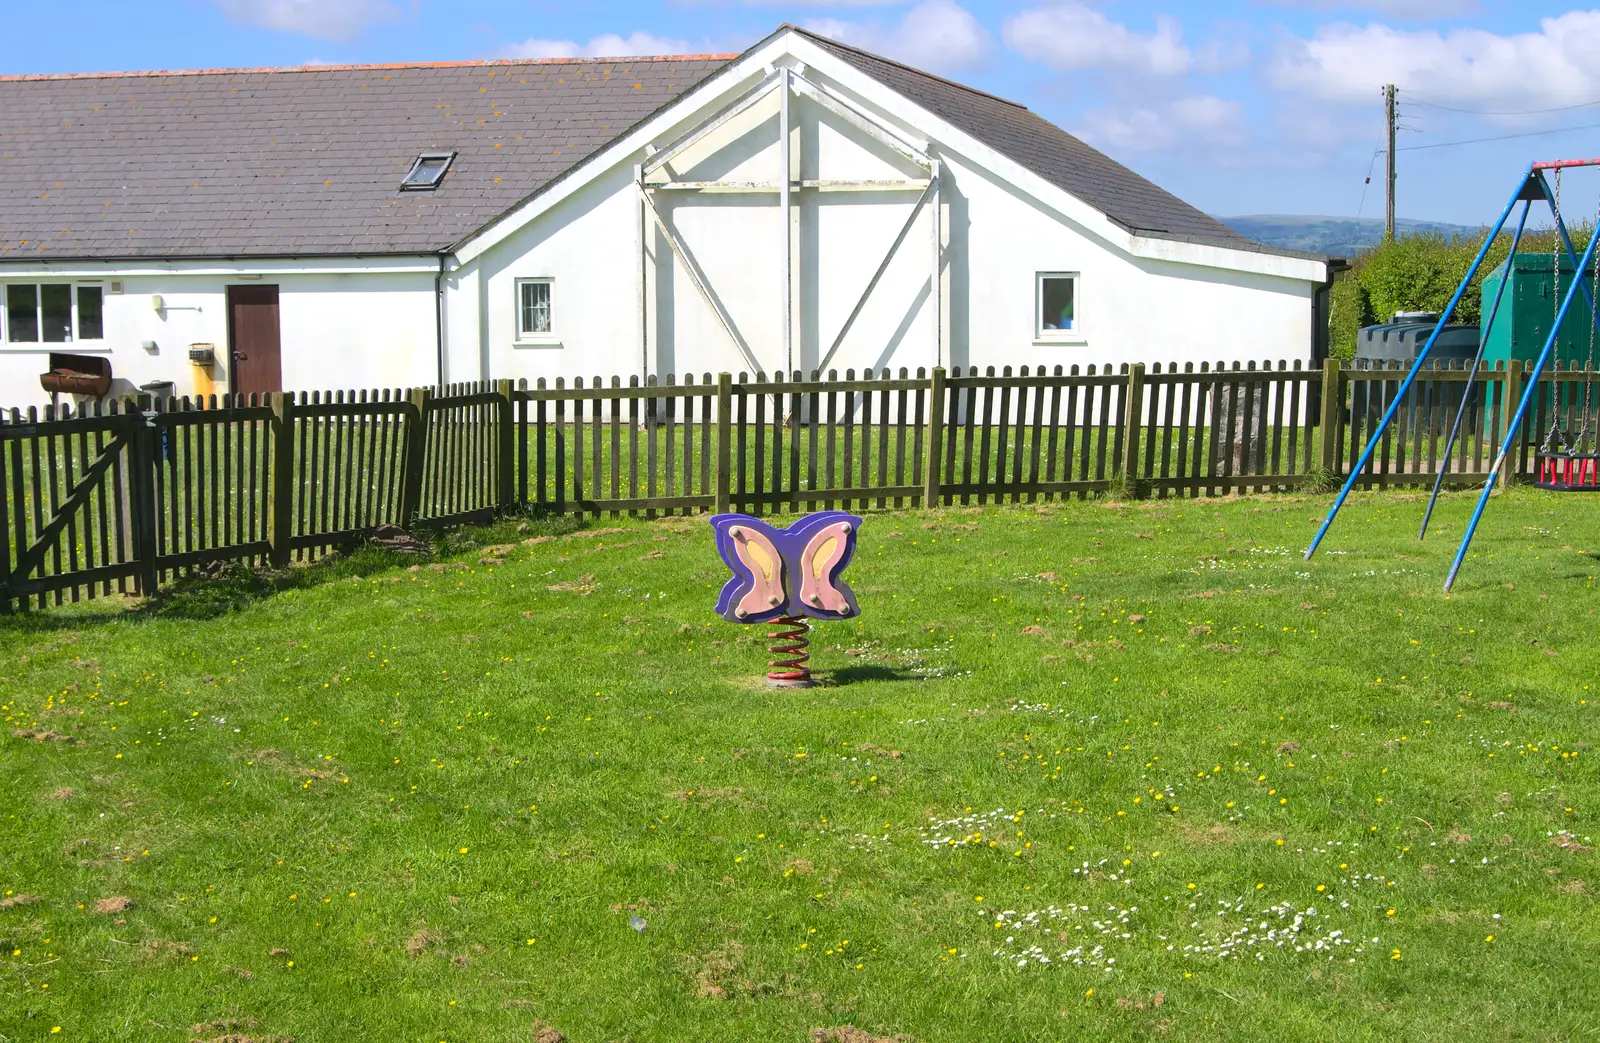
[427,172]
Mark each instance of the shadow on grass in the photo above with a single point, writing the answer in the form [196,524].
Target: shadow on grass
[864,674]
[234,586]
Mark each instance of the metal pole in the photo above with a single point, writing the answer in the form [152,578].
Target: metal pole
[1388,161]
[1522,409]
[785,180]
[1405,385]
[1566,241]
[1472,374]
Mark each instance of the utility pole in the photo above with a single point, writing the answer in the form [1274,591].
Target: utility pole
[1388,161]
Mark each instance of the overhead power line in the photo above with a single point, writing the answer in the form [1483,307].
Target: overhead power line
[1502,112]
[1501,137]
[1368,182]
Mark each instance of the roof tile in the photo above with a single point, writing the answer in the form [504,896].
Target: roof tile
[305,161]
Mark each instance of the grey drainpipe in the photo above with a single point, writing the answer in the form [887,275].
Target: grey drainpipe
[438,318]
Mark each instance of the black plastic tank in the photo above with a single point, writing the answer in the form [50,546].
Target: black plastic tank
[1400,339]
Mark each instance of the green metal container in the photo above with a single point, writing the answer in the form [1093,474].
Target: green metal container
[1529,308]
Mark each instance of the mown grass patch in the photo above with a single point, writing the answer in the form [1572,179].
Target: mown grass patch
[1083,771]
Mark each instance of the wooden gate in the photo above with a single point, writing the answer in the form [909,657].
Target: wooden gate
[75,511]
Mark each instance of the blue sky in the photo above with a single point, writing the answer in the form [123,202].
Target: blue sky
[1239,106]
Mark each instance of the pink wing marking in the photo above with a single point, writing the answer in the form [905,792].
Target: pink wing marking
[761,557]
[817,562]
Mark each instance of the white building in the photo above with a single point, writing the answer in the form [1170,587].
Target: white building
[803,205]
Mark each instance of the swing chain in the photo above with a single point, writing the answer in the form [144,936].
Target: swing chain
[1586,436]
[1555,431]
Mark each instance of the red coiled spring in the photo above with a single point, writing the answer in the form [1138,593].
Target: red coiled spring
[790,670]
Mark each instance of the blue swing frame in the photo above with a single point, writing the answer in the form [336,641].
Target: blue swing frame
[1532,187]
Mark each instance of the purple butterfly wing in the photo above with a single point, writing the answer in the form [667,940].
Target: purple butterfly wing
[749,547]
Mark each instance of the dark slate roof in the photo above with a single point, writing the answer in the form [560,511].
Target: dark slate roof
[302,161]
[1138,205]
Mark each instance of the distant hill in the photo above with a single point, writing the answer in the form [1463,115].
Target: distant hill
[1335,236]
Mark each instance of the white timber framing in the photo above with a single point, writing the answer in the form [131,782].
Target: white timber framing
[755,72]
[655,176]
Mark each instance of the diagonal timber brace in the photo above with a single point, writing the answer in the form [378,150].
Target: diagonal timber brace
[741,105]
[883,266]
[699,279]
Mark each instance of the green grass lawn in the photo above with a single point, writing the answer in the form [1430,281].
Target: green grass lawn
[1080,771]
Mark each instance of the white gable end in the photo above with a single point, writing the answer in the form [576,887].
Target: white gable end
[665,253]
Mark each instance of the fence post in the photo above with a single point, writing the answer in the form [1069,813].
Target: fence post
[143,445]
[1508,409]
[724,441]
[5,526]
[506,475]
[1132,422]
[411,462]
[1332,414]
[281,526]
[935,442]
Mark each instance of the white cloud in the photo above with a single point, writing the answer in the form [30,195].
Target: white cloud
[609,45]
[341,20]
[1075,36]
[938,35]
[1199,120]
[1348,64]
[1412,9]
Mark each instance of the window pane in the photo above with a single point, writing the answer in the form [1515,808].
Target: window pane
[57,300]
[22,312]
[535,307]
[1059,303]
[427,172]
[91,325]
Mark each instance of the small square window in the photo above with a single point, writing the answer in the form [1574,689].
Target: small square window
[534,299]
[427,172]
[1058,306]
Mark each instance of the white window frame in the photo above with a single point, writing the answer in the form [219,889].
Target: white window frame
[77,343]
[1043,336]
[526,337]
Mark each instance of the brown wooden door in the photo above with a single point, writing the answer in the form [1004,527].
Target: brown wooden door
[253,347]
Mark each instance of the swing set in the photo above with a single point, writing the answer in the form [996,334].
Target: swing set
[1566,460]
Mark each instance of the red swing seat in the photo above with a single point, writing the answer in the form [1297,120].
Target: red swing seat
[1568,472]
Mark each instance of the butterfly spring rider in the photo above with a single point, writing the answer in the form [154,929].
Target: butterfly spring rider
[783,576]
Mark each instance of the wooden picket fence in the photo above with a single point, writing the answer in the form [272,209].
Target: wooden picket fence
[119,500]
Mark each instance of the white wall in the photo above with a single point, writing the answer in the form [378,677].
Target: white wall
[365,324]
[996,238]
[1129,309]
[338,329]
